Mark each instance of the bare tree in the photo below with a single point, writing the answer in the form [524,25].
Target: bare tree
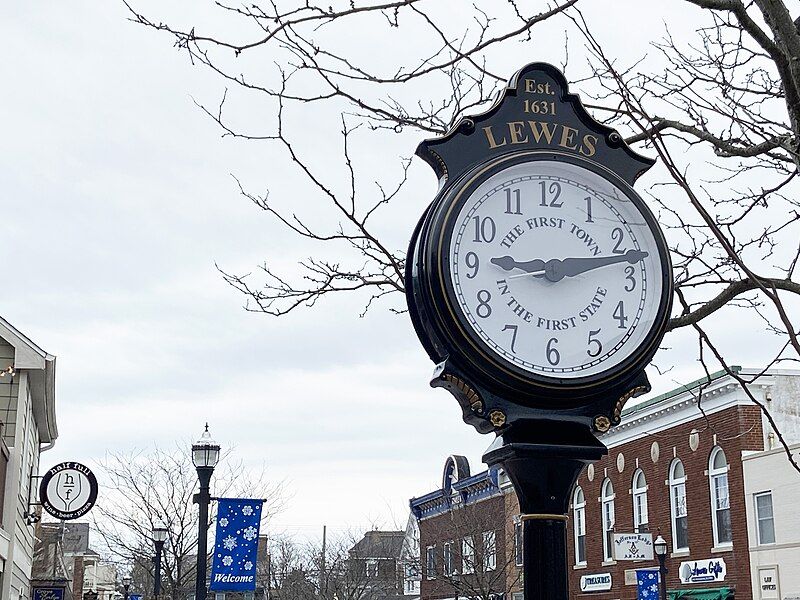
[479,559]
[349,567]
[144,489]
[721,111]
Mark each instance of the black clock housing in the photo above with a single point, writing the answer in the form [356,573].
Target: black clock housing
[493,392]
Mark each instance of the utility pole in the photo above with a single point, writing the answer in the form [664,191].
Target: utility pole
[323,581]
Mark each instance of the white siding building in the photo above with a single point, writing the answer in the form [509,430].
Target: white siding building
[772,494]
[27,421]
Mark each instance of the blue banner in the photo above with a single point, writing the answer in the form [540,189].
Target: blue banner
[135,597]
[647,584]
[233,568]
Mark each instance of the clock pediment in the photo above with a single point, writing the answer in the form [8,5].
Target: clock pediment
[535,111]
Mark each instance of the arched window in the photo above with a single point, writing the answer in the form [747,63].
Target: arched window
[608,520]
[677,501]
[720,505]
[639,492]
[579,519]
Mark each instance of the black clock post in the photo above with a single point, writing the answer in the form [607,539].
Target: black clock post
[545,418]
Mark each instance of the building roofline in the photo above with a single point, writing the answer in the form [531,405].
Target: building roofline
[688,387]
[41,367]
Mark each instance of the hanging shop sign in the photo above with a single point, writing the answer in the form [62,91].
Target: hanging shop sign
[48,593]
[633,546]
[702,571]
[68,491]
[599,582]
[236,547]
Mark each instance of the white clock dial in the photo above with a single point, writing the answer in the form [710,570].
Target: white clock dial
[555,269]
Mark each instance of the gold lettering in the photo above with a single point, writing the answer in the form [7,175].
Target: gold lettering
[540,128]
[568,137]
[515,129]
[530,86]
[490,136]
[588,148]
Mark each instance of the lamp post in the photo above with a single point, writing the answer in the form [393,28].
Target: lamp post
[660,548]
[159,537]
[126,584]
[205,454]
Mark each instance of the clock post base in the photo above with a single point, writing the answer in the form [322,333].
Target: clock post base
[543,460]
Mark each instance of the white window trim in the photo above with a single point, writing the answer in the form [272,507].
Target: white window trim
[489,550]
[447,559]
[758,521]
[608,551]
[576,507]
[467,566]
[639,491]
[674,482]
[430,551]
[712,476]
[519,543]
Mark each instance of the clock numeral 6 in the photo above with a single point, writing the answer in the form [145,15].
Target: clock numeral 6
[473,262]
[552,354]
[597,345]
[483,309]
[485,229]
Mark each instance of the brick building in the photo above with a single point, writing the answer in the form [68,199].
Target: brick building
[675,466]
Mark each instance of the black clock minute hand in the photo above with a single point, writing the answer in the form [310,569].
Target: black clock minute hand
[570,267]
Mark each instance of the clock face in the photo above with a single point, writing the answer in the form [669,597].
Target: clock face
[554,268]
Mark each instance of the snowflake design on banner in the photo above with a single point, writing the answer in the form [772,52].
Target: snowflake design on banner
[654,587]
[229,543]
[248,566]
[223,522]
[247,510]
[250,533]
[227,561]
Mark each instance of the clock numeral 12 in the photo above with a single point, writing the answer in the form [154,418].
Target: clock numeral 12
[555,190]
[513,207]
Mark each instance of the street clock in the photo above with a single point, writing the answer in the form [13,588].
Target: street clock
[538,280]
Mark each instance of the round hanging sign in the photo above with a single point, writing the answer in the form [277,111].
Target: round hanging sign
[68,491]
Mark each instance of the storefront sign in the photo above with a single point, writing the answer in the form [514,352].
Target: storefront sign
[236,548]
[68,491]
[599,582]
[702,571]
[48,593]
[768,583]
[633,546]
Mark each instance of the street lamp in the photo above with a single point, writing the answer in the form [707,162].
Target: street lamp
[660,547]
[205,454]
[159,537]
[126,584]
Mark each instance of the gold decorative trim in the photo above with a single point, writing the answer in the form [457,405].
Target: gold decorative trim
[440,161]
[470,394]
[641,389]
[602,423]
[544,517]
[498,418]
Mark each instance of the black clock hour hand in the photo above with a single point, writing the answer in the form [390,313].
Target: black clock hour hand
[534,267]
[570,267]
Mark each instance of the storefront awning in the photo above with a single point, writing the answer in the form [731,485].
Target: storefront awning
[720,593]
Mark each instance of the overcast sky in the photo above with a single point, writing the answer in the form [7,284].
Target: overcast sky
[116,202]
